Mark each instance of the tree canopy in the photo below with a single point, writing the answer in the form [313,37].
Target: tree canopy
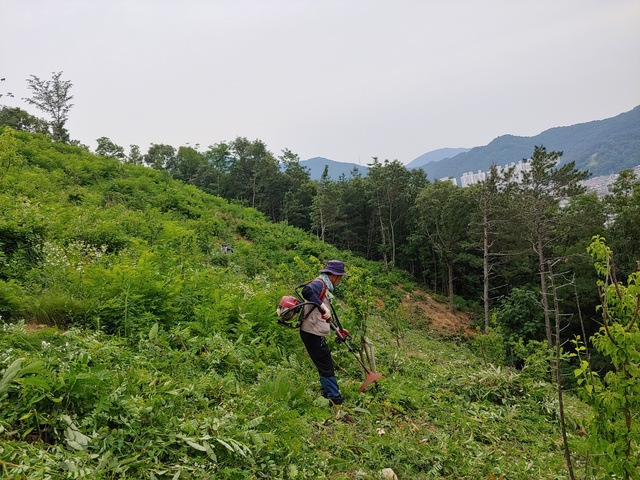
[53,97]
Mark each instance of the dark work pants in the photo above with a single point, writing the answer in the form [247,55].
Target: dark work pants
[319,352]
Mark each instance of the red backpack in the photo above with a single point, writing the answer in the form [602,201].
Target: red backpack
[291,307]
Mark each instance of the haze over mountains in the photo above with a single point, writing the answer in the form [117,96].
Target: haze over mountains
[602,147]
[337,169]
[435,156]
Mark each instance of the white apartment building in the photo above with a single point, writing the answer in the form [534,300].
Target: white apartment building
[449,179]
[519,170]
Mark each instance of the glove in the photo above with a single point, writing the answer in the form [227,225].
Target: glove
[326,314]
[342,335]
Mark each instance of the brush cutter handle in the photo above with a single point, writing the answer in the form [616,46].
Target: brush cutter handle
[342,335]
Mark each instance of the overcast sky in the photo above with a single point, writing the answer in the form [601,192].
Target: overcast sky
[343,79]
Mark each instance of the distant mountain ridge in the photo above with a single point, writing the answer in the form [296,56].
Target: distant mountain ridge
[435,156]
[336,169]
[603,147]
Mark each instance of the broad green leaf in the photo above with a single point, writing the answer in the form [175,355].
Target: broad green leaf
[32,367]
[153,333]
[196,445]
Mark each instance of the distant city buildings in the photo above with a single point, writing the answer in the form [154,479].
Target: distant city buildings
[600,185]
[449,179]
[470,178]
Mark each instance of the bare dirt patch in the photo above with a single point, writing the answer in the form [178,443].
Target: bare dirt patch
[442,320]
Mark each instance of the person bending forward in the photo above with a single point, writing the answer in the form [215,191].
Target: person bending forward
[316,326]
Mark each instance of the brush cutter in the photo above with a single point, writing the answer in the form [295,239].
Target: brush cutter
[372,374]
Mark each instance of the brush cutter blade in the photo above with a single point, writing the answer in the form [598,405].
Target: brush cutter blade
[371,378]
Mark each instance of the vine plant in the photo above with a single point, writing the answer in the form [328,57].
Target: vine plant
[614,432]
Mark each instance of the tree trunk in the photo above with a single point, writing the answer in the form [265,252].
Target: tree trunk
[543,291]
[393,244]
[558,379]
[384,239]
[392,233]
[450,272]
[485,258]
[322,227]
[253,192]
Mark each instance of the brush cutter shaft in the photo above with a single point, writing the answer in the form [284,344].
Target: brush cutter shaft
[372,375]
[351,349]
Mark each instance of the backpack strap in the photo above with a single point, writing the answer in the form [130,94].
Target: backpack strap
[321,296]
[323,293]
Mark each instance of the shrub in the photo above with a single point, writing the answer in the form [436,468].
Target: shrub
[52,307]
[534,358]
[520,315]
[490,347]
[10,299]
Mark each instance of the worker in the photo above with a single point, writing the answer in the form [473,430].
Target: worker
[316,326]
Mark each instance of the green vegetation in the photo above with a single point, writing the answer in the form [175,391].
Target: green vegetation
[132,347]
[615,397]
[195,401]
[470,243]
[135,347]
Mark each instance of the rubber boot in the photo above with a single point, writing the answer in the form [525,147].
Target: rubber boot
[331,391]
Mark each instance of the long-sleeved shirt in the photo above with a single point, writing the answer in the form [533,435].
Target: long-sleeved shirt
[315,291]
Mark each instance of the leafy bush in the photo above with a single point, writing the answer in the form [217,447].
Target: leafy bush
[534,356]
[490,347]
[615,398]
[54,308]
[10,299]
[520,315]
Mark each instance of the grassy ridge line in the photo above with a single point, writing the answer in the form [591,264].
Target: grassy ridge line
[193,376]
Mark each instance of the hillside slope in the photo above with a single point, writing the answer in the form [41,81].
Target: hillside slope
[160,356]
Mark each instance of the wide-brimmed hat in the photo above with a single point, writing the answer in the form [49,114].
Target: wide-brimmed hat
[336,267]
